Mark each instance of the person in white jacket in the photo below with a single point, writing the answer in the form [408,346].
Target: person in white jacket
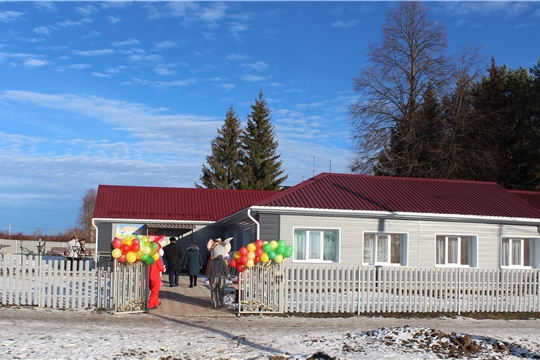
[73,248]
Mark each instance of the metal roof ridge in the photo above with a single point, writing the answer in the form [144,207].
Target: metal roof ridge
[398,213]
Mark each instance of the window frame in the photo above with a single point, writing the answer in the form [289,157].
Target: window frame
[534,251]
[473,250]
[321,230]
[404,248]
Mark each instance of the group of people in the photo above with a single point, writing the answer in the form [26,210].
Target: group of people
[175,260]
[75,249]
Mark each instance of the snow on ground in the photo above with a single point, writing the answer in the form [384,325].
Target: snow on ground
[40,333]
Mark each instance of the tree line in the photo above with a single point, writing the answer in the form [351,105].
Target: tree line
[425,113]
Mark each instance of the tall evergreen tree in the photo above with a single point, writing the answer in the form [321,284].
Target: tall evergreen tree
[261,164]
[522,151]
[223,168]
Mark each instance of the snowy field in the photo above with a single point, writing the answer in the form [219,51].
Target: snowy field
[38,333]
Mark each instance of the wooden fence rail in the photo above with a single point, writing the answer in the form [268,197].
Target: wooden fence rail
[335,289]
[56,282]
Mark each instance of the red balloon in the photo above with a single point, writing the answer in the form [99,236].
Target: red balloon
[135,247]
[241,268]
[243,260]
[122,258]
[135,241]
[243,251]
[233,263]
[116,243]
[259,243]
[256,260]
[259,252]
[125,248]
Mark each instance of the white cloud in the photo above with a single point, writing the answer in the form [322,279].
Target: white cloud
[145,58]
[34,63]
[113,19]
[78,66]
[249,77]
[128,42]
[164,71]
[46,5]
[86,9]
[8,16]
[101,75]
[184,82]
[165,45]
[100,52]
[227,86]
[46,30]
[238,57]
[485,8]
[259,65]
[342,24]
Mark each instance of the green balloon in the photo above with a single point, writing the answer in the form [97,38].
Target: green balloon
[280,250]
[281,243]
[150,261]
[272,254]
[287,253]
[267,248]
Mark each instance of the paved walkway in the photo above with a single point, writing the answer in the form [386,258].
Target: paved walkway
[185,301]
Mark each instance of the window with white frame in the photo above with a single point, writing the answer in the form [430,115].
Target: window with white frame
[517,252]
[385,249]
[453,250]
[315,245]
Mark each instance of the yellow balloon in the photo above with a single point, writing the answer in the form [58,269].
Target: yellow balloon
[251,247]
[251,255]
[131,257]
[278,258]
[116,253]
[264,258]
[156,256]
[237,255]
[250,264]
[146,250]
[273,244]
[139,255]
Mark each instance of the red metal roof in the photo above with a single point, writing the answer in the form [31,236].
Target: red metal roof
[531,197]
[181,204]
[396,194]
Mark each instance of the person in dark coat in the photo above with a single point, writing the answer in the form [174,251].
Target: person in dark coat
[172,253]
[193,262]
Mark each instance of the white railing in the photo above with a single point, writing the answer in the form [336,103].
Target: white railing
[343,289]
[56,282]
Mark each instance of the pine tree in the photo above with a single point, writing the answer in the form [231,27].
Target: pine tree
[223,168]
[261,164]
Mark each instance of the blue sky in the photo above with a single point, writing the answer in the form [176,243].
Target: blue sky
[132,93]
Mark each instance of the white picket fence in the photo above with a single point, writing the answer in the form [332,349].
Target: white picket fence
[343,289]
[55,282]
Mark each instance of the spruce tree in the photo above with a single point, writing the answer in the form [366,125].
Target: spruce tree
[223,168]
[261,166]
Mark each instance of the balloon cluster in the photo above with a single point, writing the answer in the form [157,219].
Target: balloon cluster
[135,248]
[260,252]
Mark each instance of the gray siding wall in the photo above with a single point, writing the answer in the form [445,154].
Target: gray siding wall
[269,226]
[239,231]
[104,237]
[420,234]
